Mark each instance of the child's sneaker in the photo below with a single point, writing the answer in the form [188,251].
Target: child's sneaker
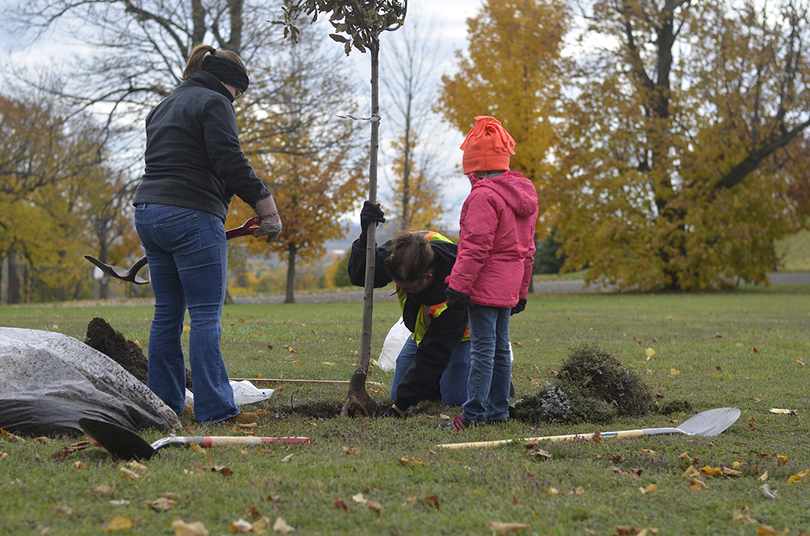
[459,423]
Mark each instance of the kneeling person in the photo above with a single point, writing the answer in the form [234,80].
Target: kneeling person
[437,356]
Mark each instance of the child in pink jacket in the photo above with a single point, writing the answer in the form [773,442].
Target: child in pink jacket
[493,267]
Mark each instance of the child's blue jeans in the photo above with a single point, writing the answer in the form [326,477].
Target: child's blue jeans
[491,364]
[188,265]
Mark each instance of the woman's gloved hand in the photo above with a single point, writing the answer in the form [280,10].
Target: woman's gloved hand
[370,213]
[271,221]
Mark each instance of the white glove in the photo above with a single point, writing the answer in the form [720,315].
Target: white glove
[271,221]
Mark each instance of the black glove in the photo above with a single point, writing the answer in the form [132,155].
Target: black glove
[369,213]
[519,307]
[457,300]
[392,412]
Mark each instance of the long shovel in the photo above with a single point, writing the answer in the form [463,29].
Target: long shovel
[131,275]
[707,424]
[127,445]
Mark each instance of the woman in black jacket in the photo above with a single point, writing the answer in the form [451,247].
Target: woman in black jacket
[194,166]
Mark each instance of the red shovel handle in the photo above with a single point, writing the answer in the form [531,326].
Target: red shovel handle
[246,228]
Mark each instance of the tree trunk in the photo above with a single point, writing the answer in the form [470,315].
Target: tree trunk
[290,293]
[14,293]
[358,402]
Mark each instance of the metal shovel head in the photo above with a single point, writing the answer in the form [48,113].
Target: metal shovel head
[120,442]
[711,422]
[119,273]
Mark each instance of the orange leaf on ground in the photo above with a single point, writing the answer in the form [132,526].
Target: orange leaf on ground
[432,501]
[697,484]
[744,516]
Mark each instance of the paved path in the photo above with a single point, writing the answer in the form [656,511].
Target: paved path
[547,287]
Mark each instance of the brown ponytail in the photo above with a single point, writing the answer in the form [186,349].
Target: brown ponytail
[195,60]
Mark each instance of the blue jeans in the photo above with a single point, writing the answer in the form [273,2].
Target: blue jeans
[491,364]
[188,265]
[453,383]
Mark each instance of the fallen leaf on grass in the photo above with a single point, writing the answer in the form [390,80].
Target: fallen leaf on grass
[161,504]
[11,438]
[281,526]
[506,528]
[410,501]
[646,451]
[744,516]
[650,352]
[579,490]
[42,440]
[697,484]
[781,411]
[339,504]
[648,489]
[351,450]
[801,476]
[411,461]
[711,472]
[769,492]
[221,469]
[287,458]
[105,489]
[61,510]
[674,372]
[240,525]
[783,459]
[540,453]
[763,477]
[118,523]
[129,475]
[79,465]
[432,502]
[119,502]
[801,362]
[767,530]
[181,528]
[731,472]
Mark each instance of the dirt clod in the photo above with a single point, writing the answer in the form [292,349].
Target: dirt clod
[113,344]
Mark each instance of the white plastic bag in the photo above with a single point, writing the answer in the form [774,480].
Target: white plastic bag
[244,392]
[397,336]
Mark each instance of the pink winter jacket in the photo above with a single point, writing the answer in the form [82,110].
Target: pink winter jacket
[496,241]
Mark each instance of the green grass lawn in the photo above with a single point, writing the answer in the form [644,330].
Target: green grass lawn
[744,349]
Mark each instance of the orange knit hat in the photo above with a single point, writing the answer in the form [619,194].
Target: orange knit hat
[487,146]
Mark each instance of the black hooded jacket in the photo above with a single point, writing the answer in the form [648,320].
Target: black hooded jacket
[193,156]
[444,332]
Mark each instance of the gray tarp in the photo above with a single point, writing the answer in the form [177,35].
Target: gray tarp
[48,381]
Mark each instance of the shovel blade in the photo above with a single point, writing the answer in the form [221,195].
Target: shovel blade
[130,275]
[711,422]
[117,440]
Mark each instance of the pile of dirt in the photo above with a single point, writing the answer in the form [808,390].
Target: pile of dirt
[592,386]
[113,344]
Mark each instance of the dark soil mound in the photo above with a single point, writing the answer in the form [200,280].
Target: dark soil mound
[113,344]
[592,386]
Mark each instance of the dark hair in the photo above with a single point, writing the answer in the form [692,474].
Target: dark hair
[411,257]
[227,66]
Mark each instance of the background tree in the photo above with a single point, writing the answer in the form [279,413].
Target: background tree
[680,149]
[513,71]
[45,160]
[311,159]
[408,72]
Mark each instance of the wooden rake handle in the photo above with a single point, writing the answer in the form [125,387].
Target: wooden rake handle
[569,437]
